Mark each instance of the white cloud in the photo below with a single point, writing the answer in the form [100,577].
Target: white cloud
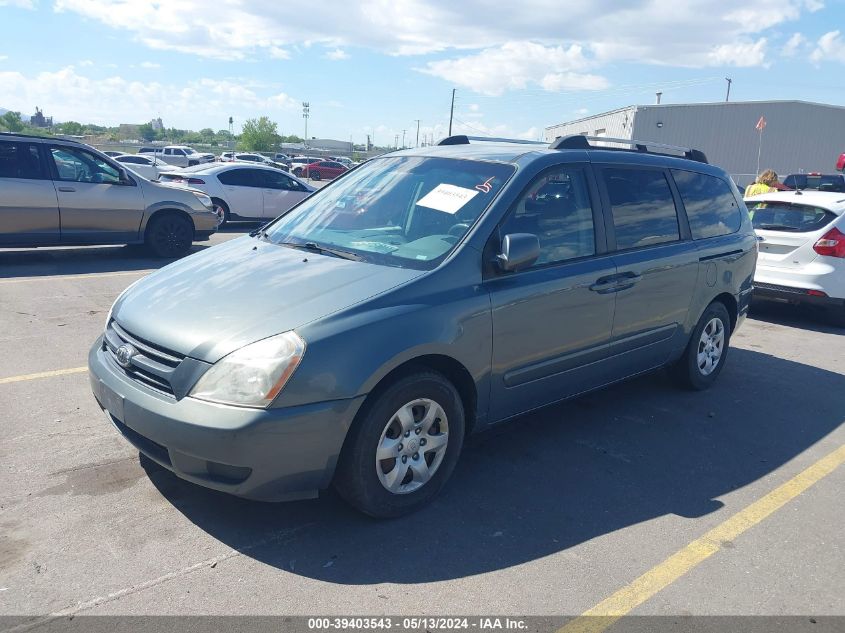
[792,45]
[336,55]
[149,65]
[689,33]
[741,54]
[68,95]
[517,65]
[829,48]
[86,63]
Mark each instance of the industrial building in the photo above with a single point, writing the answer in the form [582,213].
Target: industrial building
[797,136]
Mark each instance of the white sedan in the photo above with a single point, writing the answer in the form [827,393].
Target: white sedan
[802,248]
[243,192]
[149,168]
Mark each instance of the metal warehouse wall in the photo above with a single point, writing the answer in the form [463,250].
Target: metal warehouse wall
[617,124]
[798,135]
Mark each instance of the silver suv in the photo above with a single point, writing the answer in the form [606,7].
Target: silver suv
[55,192]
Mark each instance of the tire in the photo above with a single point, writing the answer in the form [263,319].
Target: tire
[364,481]
[315,175]
[710,341]
[220,204]
[169,235]
[298,172]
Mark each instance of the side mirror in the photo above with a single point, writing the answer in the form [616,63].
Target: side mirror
[125,178]
[519,250]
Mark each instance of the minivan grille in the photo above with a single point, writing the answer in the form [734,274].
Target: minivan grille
[151,365]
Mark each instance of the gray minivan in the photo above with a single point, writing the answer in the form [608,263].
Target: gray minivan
[356,340]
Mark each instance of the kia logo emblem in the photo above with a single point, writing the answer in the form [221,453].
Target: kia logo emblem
[124,355]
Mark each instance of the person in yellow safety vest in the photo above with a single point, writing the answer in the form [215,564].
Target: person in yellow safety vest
[764,184]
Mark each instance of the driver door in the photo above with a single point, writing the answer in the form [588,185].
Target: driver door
[95,204]
[281,192]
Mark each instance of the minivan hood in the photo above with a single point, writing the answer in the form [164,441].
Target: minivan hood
[220,299]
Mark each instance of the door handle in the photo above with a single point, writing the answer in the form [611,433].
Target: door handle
[67,189]
[604,285]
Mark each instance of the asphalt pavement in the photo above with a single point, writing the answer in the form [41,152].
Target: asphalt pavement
[626,493]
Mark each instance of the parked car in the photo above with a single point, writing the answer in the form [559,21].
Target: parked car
[323,170]
[360,337]
[56,192]
[178,155]
[840,162]
[802,249]
[297,163]
[149,168]
[113,154]
[814,180]
[243,192]
[250,157]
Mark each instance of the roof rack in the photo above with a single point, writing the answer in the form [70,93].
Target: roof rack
[463,139]
[579,141]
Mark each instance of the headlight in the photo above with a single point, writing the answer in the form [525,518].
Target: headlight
[254,375]
[206,200]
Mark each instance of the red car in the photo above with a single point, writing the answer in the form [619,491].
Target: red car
[840,164]
[324,169]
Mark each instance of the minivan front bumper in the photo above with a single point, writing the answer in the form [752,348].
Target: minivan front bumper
[263,454]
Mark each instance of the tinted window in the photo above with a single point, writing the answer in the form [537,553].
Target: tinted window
[135,160]
[711,206]
[20,160]
[789,217]
[76,164]
[556,208]
[277,180]
[238,177]
[179,152]
[643,207]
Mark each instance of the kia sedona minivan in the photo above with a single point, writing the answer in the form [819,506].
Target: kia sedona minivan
[356,340]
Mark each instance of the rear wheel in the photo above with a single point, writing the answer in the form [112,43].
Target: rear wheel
[298,172]
[315,175]
[221,207]
[402,447]
[169,235]
[707,350]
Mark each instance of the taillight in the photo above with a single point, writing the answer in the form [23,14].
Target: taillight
[195,181]
[831,244]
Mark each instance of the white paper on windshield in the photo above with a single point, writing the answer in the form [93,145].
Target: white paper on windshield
[447,198]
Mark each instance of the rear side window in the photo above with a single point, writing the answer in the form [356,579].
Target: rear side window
[711,206]
[556,208]
[20,160]
[788,217]
[643,208]
[238,178]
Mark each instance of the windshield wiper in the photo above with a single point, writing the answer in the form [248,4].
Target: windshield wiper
[323,250]
[777,227]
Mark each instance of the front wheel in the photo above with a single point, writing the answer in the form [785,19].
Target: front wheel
[169,235]
[222,210]
[402,447]
[707,350]
[315,175]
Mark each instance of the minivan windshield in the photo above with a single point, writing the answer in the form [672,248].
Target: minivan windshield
[400,211]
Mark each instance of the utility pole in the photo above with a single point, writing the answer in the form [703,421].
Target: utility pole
[396,141]
[306,112]
[418,132]
[728,95]
[403,139]
[452,111]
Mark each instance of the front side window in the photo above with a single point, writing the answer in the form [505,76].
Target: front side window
[556,208]
[277,180]
[711,207]
[406,212]
[642,206]
[20,160]
[78,165]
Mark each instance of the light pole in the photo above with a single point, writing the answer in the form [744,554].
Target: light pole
[418,132]
[306,112]
[403,139]
[728,95]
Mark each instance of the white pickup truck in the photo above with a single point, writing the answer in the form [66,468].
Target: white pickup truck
[178,155]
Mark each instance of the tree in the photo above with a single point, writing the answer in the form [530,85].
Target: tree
[71,127]
[146,132]
[12,121]
[259,135]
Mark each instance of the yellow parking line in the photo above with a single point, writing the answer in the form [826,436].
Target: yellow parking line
[43,374]
[20,280]
[608,611]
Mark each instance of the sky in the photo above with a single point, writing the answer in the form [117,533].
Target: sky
[376,67]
